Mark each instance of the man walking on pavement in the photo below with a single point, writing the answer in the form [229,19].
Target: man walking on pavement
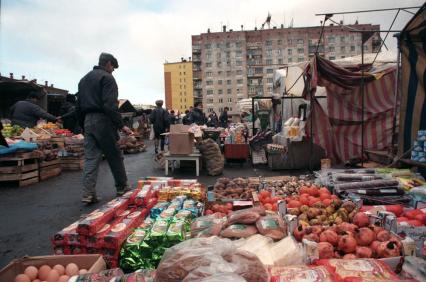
[160,120]
[97,110]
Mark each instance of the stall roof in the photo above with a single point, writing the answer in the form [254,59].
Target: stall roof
[19,87]
[124,106]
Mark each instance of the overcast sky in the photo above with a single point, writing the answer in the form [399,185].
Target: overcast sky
[60,40]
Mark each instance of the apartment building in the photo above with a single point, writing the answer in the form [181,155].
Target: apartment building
[232,65]
[178,85]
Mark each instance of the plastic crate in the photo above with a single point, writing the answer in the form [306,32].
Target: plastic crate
[236,151]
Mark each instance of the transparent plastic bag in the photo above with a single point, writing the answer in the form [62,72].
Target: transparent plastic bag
[221,277]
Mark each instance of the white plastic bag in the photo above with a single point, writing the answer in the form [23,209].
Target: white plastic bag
[151,133]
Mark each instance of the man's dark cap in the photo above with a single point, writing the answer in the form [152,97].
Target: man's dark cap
[106,57]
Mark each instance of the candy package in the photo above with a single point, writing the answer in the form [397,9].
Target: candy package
[206,226]
[135,253]
[158,209]
[176,232]
[143,196]
[69,235]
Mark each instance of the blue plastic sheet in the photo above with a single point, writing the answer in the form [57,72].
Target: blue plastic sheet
[20,146]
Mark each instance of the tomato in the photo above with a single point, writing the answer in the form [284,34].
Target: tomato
[267,200]
[229,206]
[421,218]
[209,212]
[303,190]
[265,194]
[327,202]
[413,213]
[293,204]
[313,201]
[402,219]
[395,209]
[313,191]
[275,199]
[275,207]
[334,197]
[268,207]
[304,200]
[324,196]
[324,190]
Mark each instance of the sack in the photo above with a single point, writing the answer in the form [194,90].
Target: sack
[151,133]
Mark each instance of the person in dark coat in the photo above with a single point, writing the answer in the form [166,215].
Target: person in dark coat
[223,119]
[172,117]
[97,111]
[68,114]
[186,119]
[27,113]
[160,120]
[196,115]
[213,120]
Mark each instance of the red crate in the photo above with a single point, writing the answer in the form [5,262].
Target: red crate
[237,151]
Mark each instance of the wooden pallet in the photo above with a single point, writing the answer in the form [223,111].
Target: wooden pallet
[21,169]
[72,163]
[49,169]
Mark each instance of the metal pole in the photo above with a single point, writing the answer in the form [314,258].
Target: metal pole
[362,104]
[368,11]
[396,95]
[252,114]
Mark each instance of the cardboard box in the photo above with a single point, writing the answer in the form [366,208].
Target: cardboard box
[181,142]
[93,263]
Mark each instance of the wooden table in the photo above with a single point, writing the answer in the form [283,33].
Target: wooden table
[191,157]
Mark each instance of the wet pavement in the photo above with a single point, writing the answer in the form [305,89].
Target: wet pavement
[29,216]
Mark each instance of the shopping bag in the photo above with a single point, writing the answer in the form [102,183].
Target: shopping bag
[151,133]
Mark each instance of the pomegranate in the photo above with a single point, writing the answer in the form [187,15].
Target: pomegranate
[388,249]
[347,227]
[364,252]
[298,233]
[329,236]
[338,254]
[364,236]
[325,250]
[376,228]
[350,256]
[383,236]
[316,229]
[347,244]
[373,246]
[361,219]
[311,237]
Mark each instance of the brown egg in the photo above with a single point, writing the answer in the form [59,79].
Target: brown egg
[53,276]
[60,269]
[63,278]
[82,271]
[43,272]
[71,269]
[22,278]
[31,272]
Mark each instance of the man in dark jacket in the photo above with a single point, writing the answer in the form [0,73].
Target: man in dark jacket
[27,113]
[196,115]
[97,110]
[69,115]
[224,118]
[160,121]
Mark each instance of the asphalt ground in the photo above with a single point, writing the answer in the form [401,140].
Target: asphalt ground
[30,216]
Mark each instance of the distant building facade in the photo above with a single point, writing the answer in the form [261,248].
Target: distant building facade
[232,65]
[178,85]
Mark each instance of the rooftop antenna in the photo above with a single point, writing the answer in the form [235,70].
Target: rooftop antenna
[291,23]
[267,21]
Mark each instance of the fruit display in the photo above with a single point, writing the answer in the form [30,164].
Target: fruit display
[219,208]
[49,125]
[286,186]
[11,130]
[57,273]
[237,188]
[359,239]
[63,132]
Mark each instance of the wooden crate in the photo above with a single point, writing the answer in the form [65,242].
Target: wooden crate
[72,163]
[49,169]
[59,141]
[20,169]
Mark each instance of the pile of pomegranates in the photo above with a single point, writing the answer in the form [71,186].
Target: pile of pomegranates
[351,240]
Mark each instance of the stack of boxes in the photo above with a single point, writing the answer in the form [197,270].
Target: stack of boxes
[418,153]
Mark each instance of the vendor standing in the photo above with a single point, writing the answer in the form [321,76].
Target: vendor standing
[223,119]
[27,113]
[196,115]
[97,110]
[160,120]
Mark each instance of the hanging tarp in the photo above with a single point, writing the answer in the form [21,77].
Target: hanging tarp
[413,77]
[338,128]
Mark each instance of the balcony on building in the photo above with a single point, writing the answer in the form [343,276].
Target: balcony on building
[198,93]
[198,86]
[196,75]
[196,59]
[313,48]
[196,49]
[253,73]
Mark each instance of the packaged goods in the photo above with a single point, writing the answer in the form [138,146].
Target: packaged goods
[200,258]
[132,277]
[207,226]
[221,277]
[96,241]
[238,231]
[135,250]
[272,226]
[302,273]
[246,216]
[176,232]
[158,209]
[142,197]
[359,269]
[69,235]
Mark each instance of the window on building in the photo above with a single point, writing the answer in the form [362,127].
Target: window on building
[180,73]
[209,82]
[219,64]
[220,91]
[209,74]
[342,39]
[228,55]
[352,38]
[331,39]
[229,100]
[258,70]
[180,66]
[300,50]
[269,61]
[180,79]
[239,72]
[220,109]
[269,80]
[239,63]
[208,56]
[270,71]
[220,100]
[210,92]
[331,58]
[228,45]
[289,41]
[238,44]
[331,49]
[229,82]
[278,51]
[230,109]
[184,66]
[218,45]
[208,65]
[269,89]
[238,90]
[208,46]
[228,73]
[268,42]
[269,52]
[239,54]
[300,59]
[228,63]
[219,73]
[280,61]
[239,81]
[279,42]
[228,91]
[290,51]
[210,110]
[342,57]
[252,89]
[219,82]
[352,48]
[365,47]
[342,49]
[290,60]
[299,41]
[184,73]
[218,56]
